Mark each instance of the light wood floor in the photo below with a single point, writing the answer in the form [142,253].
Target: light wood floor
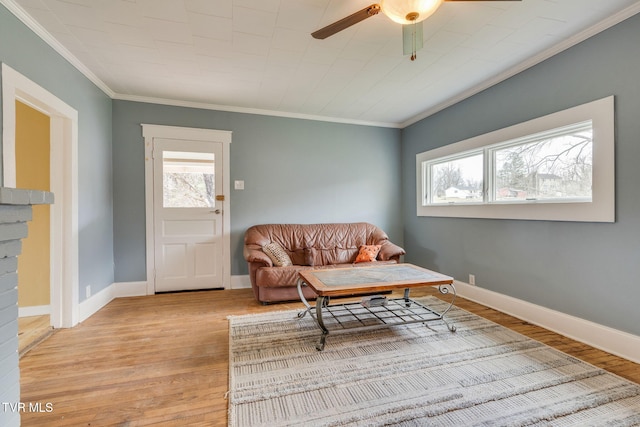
[31,331]
[163,360]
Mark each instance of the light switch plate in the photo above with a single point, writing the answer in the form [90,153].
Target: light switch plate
[238,185]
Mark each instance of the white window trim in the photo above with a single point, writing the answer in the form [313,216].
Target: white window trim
[600,209]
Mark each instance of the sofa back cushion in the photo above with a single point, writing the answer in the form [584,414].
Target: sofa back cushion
[317,244]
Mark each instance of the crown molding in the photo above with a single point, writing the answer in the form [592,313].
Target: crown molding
[552,51]
[34,26]
[245,110]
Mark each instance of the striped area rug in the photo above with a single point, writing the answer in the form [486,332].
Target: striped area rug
[481,375]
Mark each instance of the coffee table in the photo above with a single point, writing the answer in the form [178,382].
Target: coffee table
[350,316]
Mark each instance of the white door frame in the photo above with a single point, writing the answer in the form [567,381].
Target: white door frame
[149,132]
[64,184]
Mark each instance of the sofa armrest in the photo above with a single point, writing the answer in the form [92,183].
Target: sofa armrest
[257,256]
[390,251]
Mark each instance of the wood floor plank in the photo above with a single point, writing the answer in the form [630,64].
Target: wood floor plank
[162,360]
[31,331]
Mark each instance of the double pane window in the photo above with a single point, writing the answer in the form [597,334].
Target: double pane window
[557,167]
[551,166]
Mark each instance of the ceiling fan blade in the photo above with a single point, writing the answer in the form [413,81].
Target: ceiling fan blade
[350,20]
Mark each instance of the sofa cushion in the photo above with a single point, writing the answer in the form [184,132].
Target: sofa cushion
[332,256]
[368,253]
[277,254]
[278,277]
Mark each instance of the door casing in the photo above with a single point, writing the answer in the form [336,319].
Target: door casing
[151,132]
[64,184]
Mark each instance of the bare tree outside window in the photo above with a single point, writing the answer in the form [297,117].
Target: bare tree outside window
[188,182]
[552,168]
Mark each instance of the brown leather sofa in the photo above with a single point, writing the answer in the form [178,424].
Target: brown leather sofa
[309,246]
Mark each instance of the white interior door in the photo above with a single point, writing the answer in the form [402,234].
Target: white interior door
[188,226]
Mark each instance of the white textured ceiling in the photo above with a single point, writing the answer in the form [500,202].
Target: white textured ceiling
[258,56]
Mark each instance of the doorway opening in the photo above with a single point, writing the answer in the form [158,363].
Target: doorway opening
[34,281]
[63,183]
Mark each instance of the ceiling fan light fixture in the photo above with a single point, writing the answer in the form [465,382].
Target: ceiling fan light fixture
[409,11]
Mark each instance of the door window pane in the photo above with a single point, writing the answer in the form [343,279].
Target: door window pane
[188,179]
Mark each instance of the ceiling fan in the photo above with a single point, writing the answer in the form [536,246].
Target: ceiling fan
[405,12]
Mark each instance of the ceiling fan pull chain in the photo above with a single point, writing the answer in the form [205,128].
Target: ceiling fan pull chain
[414,55]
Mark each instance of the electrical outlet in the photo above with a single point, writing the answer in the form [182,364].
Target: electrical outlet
[472,279]
[87,291]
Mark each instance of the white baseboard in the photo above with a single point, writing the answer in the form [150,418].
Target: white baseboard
[95,302]
[34,310]
[240,282]
[90,306]
[130,289]
[611,340]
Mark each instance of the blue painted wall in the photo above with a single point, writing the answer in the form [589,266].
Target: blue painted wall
[296,171]
[587,270]
[29,55]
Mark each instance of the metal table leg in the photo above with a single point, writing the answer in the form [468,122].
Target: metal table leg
[407,300]
[321,302]
[445,289]
[303,299]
